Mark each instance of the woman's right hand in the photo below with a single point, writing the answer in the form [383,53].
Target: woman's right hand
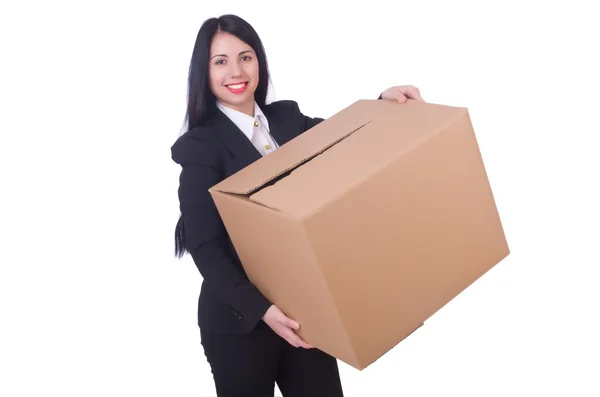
[284,327]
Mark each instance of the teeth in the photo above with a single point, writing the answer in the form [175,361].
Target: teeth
[236,86]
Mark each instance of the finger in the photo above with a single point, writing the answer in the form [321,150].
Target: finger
[307,345]
[297,341]
[400,97]
[414,93]
[293,339]
[285,320]
[300,342]
[288,322]
[290,336]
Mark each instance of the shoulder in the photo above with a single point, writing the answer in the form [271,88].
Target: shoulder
[288,111]
[196,146]
[285,107]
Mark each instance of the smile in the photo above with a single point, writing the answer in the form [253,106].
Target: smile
[237,88]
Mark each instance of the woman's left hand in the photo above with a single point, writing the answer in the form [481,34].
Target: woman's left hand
[401,93]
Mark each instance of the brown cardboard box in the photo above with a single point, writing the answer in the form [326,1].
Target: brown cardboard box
[386,216]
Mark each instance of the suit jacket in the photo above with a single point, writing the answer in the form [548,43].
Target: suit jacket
[228,302]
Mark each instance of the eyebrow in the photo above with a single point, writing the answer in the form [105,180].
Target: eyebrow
[224,55]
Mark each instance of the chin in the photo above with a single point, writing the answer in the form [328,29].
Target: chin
[238,99]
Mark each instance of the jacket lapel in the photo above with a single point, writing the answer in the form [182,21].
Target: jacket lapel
[238,144]
[277,127]
[234,139]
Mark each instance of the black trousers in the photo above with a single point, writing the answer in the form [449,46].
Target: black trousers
[250,365]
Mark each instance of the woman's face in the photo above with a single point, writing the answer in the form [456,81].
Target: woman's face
[233,72]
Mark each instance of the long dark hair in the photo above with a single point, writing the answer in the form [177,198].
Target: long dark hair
[201,102]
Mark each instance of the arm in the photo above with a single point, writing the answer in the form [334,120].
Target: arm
[310,122]
[207,239]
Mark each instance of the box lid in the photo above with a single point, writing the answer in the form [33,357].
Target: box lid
[302,148]
[339,154]
[396,134]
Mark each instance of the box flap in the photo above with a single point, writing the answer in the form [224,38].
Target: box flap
[390,136]
[303,148]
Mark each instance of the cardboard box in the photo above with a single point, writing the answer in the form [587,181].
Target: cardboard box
[367,224]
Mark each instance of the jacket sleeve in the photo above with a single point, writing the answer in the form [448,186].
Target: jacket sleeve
[310,122]
[206,236]
[290,111]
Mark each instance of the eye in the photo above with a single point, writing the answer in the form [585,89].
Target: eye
[220,62]
[246,58]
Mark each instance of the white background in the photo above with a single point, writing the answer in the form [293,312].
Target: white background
[93,302]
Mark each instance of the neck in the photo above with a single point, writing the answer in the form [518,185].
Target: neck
[246,108]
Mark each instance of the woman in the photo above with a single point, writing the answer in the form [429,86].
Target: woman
[249,343]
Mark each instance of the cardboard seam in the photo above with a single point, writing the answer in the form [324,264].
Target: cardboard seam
[262,184]
[239,197]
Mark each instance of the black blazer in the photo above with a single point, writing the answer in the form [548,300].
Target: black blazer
[228,302]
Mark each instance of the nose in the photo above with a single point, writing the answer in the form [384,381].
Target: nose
[235,69]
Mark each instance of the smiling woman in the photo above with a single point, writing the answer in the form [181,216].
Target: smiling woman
[249,342]
[227,52]
[233,72]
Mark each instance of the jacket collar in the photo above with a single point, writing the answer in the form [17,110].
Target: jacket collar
[243,121]
[230,135]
